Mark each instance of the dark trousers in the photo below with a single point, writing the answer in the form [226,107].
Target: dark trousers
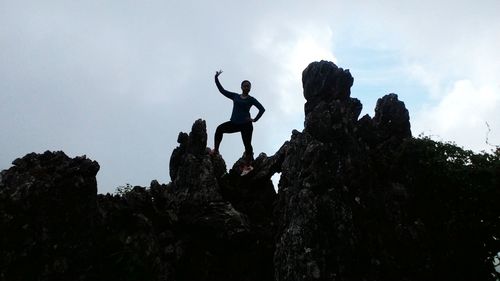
[246,130]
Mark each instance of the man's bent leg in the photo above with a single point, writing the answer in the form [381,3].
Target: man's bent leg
[227,127]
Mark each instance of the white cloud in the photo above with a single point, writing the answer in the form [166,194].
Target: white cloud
[461,115]
[287,49]
[303,44]
[118,80]
[463,88]
[449,48]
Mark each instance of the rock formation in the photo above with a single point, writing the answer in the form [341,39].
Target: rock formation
[358,199]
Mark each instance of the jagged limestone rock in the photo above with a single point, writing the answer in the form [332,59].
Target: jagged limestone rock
[358,199]
[349,206]
[48,208]
[392,118]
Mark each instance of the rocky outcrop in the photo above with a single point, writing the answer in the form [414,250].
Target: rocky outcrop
[223,230]
[350,206]
[358,199]
[327,181]
[48,209]
[204,225]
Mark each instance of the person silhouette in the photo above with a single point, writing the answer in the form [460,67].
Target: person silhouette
[240,120]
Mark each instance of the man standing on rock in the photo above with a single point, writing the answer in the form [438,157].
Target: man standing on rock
[240,119]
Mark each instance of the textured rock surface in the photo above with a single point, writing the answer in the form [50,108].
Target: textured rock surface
[48,209]
[359,199]
[354,205]
[218,240]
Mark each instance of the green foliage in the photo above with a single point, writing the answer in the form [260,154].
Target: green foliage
[456,156]
[457,192]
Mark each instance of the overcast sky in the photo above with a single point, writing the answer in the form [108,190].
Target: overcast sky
[118,80]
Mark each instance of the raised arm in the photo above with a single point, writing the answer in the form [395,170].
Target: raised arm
[223,91]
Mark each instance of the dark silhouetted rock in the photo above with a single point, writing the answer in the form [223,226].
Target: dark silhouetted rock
[330,112]
[392,118]
[350,206]
[358,199]
[217,238]
[48,209]
[325,81]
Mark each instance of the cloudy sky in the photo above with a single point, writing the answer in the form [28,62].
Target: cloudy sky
[118,80]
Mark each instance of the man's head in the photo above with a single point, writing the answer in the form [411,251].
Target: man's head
[246,86]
